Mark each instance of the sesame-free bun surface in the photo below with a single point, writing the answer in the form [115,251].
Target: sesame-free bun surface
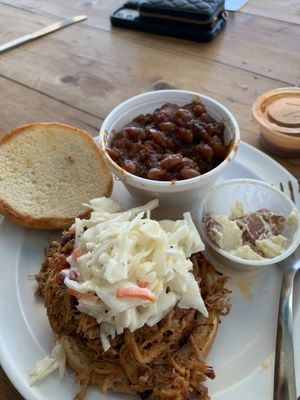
[47,172]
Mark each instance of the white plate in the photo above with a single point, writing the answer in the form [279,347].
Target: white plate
[242,355]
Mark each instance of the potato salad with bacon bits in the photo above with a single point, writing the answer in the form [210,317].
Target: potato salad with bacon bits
[253,236]
[128,270]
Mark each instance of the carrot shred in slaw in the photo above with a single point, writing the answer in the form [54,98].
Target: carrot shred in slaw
[137,292]
[75,253]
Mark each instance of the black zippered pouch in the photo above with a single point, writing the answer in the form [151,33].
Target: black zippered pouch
[199,20]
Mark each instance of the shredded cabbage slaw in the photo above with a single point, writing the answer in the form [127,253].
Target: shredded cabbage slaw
[128,253]
[47,365]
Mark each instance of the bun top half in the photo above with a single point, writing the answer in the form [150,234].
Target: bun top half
[47,172]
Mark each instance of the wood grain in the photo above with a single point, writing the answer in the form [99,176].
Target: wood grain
[19,110]
[127,68]
[95,78]
[288,11]
[98,12]
[7,390]
[249,43]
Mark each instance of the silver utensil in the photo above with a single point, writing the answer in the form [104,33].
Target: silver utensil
[41,32]
[284,370]
[284,373]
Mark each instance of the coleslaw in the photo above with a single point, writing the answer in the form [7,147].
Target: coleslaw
[130,269]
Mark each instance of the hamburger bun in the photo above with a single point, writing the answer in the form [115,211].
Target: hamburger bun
[47,172]
[76,359]
[207,332]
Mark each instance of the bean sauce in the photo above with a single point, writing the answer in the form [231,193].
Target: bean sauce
[173,143]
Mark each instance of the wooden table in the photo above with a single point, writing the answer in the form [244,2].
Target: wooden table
[77,75]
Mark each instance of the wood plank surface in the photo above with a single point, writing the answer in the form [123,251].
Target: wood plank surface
[40,108]
[288,10]
[255,44]
[7,390]
[97,70]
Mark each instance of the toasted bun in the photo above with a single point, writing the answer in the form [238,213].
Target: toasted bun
[76,358]
[207,332]
[47,171]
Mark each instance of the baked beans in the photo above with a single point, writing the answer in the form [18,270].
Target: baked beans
[173,143]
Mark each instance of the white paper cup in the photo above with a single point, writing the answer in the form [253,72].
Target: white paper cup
[175,197]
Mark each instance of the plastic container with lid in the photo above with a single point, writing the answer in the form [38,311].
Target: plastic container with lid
[277,113]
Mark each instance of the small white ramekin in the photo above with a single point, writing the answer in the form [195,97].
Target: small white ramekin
[175,197]
[254,195]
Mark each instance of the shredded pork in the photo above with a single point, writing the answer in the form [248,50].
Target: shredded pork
[163,362]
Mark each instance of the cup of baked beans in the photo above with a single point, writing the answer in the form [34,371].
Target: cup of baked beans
[169,144]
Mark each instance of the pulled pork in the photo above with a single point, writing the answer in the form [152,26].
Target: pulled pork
[163,362]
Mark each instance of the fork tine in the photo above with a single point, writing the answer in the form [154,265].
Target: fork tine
[291,190]
[281,186]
